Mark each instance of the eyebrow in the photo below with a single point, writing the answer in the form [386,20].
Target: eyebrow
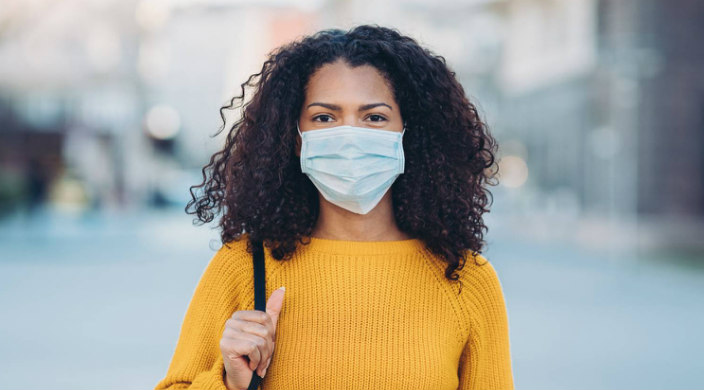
[335,107]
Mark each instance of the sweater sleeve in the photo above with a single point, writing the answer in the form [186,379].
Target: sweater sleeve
[485,362]
[197,362]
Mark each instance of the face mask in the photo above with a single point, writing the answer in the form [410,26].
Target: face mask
[352,167]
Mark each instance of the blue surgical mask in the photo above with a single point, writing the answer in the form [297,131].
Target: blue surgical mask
[352,167]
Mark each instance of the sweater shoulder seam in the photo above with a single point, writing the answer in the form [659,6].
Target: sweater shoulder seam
[455,302]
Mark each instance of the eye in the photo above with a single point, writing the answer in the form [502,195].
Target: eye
[381,118]
[321,116]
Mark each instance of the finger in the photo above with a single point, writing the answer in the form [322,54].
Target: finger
[249,327]
[233,348]
[263,365]
[266,366]
[265,344]
[251,315]
[274,304]
[254,357]
[258,316]
[263,348]
[235,334]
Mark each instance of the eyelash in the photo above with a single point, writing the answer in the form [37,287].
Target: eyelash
[380,116]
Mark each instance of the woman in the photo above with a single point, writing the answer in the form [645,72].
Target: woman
[361,164]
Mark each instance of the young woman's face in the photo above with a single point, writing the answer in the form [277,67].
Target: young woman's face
[339,95]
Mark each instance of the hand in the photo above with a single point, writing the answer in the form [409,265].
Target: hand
[247,343]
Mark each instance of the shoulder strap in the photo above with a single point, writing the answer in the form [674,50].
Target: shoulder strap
[259,276]
[259,293]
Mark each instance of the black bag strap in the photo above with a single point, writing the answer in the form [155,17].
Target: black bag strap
[259,276]
[259,293]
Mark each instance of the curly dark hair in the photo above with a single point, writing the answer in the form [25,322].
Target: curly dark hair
[256,179]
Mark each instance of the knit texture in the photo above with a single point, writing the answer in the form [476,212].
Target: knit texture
[356,315]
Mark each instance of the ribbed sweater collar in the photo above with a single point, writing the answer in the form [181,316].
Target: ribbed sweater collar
[345,247]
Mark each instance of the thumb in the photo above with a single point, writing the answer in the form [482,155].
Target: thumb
[273,305]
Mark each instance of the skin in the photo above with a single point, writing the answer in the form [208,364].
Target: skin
[247,343]
[349,89]
[249,337]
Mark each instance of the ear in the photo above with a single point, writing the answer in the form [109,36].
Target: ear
[298,145]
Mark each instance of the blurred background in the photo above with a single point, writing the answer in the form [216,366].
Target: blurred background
[107,114]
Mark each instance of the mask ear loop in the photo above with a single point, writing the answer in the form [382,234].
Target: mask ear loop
[404,129]
[299,129]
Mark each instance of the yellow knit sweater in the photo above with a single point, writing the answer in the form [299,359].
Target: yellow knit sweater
[356,315]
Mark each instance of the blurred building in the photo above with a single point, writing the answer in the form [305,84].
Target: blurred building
[654,53]
[66,74]
[652,106]
[113,104]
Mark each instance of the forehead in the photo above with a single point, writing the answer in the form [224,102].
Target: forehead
[339,81]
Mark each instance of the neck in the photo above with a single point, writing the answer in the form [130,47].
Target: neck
[336,223]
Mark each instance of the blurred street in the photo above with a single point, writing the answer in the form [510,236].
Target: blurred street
[97,302]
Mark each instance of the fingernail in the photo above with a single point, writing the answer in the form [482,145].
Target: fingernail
[264,373]
[282,288]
